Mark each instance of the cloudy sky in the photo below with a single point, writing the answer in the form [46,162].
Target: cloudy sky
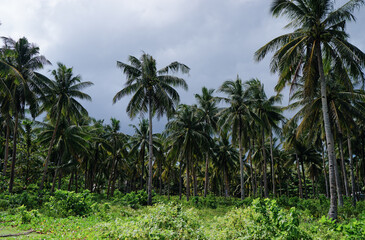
[215,38]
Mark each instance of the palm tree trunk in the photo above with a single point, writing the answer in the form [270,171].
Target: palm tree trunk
[55,175]
[266,189]
[112,173]
[70,181]
[343,168]
[76,180]
[6,147]
[272,166]
[13,161]
[180,182]
[299,177]
[338,184]
[251,166]
[206,174]
[226,183]
[59,179]
[195,184]
[150,153]
[254,171]
[351,171]
[159,175]
[241,162]
[332,213]
[188,177]
[45,169]
[304,180]
[325,173]
[141,155]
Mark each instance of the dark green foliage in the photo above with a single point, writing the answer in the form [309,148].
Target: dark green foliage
[133,199]
[64,204]
[161,222]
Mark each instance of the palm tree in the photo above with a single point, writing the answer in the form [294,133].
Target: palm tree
[187,134]
[226,157]
[153,92]
[23,59]
[208,111]
[269,116]
[60,99]
[139,142]
[319,32]
[235,116]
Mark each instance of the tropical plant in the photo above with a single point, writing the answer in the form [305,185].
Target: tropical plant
[319,33]
[153,92]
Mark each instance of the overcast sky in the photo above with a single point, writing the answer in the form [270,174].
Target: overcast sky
[215,38]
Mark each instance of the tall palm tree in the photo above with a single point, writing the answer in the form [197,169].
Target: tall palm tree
[208,111]
[187,134]
[235,116]
[319,32]
[225,158]
[23,58]
[152,91]
[60,99]
[269,116]
[139,142]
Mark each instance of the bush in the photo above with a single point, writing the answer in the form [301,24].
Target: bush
[135,200]
[161,222]
[263,220]
[4,204]
[64,204]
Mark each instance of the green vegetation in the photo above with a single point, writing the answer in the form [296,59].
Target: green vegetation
[246,170]
[90,216]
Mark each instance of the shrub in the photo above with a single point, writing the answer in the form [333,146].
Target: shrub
[64,204]
[135,200]
[264,220]
[161,222]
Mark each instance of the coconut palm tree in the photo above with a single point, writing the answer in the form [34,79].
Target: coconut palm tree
[60,99]
[236,117]
[225,158]
[186,133]
[208,111]
[23,59]
[319,33]
[139,143]
[269,116]
[152,91]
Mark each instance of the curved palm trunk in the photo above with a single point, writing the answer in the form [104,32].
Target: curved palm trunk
[325,173]
[332,213]
[351,171]
[272,166]
[241,162]
[45,169]
[206,174]
[266,190]
[150,154]
[6,148]
[343,168]
[13,161]
[299,177]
